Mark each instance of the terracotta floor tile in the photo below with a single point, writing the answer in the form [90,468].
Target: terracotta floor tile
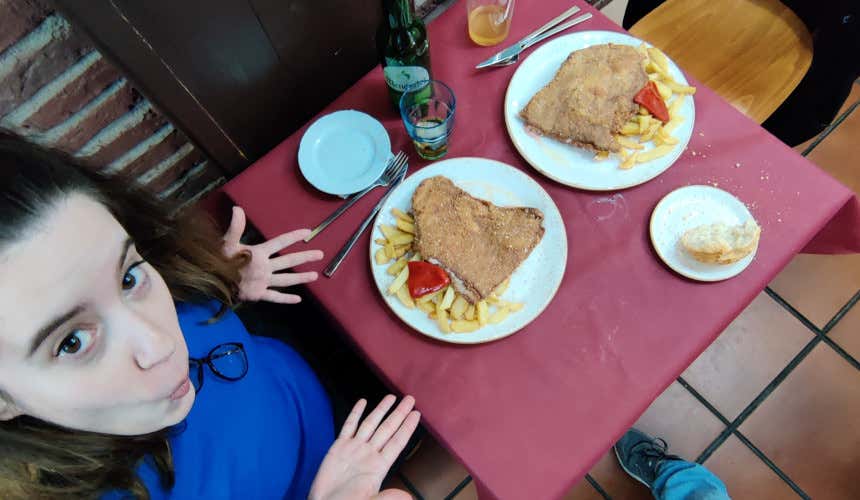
[819,285]
[467,493]
[810,426]
[747,356]
[745,475]
[433,471]
[583,491]
[675,416]
[846,333]
[395,483]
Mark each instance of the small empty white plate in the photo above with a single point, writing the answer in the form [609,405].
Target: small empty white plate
[344,152]
[686,208]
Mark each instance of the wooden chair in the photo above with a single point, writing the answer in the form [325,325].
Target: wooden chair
[753,53]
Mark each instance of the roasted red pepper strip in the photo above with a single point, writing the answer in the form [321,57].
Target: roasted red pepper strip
[649,97]
[425,278]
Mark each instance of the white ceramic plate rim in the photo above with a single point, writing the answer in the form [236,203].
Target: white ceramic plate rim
[731,270]
[552,222]
[573,175]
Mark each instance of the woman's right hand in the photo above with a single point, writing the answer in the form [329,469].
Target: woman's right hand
[359,459]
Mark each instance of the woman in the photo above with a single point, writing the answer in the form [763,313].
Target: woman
[105,299]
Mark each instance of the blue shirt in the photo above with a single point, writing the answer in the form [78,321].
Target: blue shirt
[263,436]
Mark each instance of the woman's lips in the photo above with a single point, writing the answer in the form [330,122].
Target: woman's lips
[181,390]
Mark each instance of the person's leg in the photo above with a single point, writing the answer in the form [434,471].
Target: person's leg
[669,477]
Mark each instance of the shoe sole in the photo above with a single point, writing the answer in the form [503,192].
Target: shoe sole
[628,471]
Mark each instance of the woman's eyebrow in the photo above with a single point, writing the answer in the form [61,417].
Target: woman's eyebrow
[46,330]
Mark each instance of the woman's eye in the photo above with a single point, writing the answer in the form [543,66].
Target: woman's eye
[134,276]
[75,342]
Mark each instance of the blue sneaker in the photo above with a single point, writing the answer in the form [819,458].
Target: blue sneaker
[641,456]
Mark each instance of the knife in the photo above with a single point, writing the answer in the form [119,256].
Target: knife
[336,261]
[527,41]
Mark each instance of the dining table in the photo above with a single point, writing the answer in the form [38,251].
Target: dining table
[529,415]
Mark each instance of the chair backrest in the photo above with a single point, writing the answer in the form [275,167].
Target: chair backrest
[753,53]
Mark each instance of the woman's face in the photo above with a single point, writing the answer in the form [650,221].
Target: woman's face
[89,337]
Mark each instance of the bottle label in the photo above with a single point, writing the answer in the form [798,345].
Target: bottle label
[400,77]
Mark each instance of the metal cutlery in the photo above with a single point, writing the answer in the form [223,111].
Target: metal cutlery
[511,54]
[336,261]
[388,175]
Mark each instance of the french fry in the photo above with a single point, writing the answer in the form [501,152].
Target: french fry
[666,138]
[628,143]
[643,111]
[502,288]
[415,257]
[406,226]
[654,77]
[664,90]
[629,162]
[493,299]
[652,129]
[629,128]
[659,58]
[428,298]
[442,319]
[447,298]
[427,307]
[601,155]
[483,312]
[382,257]
[458,307]
[400,214]
[389,250]
[399,281]
[405,298]
[401,239]
[394,269]
[675,106]
[499,316]
[644,124]
[679,88]
[380,241]
[400,251]
[672,124]
[470,312]
[655,153]
[464,326]
[388,231]
[515,306]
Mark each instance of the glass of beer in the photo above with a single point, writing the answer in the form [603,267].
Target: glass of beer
[489,20]
[427,109]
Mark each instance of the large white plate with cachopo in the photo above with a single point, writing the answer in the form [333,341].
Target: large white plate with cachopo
[535,281]
[566,163]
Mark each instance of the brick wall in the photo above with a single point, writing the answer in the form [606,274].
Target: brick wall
[56,90]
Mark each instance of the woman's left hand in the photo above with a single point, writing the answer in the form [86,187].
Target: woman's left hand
[261,273]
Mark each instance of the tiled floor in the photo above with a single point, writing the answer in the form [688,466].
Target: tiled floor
[772,406]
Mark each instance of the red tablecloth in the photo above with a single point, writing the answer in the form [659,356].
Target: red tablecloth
[530,414]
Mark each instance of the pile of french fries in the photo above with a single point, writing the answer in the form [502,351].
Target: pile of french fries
[451,311]
[645,126]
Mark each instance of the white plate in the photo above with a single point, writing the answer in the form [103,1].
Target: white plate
[536,280]
[569,164]
[344,152]
[686,208]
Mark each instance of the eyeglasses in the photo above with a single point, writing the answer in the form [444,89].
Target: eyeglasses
[227,361]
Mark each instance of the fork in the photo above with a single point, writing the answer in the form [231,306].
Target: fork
[336,261]
[385,179]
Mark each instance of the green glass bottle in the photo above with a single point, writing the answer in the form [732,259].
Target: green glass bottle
[404,48]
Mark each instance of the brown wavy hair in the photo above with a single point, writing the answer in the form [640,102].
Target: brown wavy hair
[39,459]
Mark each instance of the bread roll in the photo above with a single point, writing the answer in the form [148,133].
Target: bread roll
[720,243]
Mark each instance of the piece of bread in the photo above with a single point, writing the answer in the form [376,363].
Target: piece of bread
[720,243]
